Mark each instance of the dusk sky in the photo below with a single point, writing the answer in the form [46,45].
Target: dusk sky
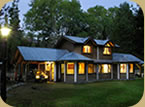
[24,7]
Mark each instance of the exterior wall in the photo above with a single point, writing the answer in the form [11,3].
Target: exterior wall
[131,76]
[104,76]
[81,78]
[101,56]
[122,75]
[66,45]
[92,77]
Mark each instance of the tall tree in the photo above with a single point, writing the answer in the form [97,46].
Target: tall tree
[139,33]
[123,28]
[16,35]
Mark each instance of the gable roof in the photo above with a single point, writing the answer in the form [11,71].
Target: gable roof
[82,40]
[121,57]
[48,54]
[41,54]
[74,57]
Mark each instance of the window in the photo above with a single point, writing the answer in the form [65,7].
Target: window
[106,68]
[123,68]
[131,68]
[62,68]
[81,68]
[70,68]
[86,49]
[90,68]
[107,49]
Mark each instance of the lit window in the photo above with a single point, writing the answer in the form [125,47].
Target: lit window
[86,49]
[107,49]
[131,68]
[81,68]
[106,68]
[70,68]
[62,68]
[90,68]
[123,68]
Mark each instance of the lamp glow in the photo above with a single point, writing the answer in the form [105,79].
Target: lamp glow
[5,31]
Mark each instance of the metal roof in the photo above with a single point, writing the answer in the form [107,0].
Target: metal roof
[82,40]
[76,39]
[72,56]
[41,54]
[121,57]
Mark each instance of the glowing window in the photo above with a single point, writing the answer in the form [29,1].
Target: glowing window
[81,68]
[131,68]
[62,68]
[123,68]
[90,68]
[86,49]
[107,49]
[106,68]
[70,68]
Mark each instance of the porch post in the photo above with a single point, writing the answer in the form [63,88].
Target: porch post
[118,71]
[55,71]
[76,71]
[86,70]
[127,72]
[111,71]
[97,53]
[97,72]
[25,78]
[59,70]
[65,70]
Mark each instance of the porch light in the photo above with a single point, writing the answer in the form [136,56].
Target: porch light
[5,31]
[37,77]
[46,77]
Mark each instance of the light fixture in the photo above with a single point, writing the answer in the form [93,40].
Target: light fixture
[5,31]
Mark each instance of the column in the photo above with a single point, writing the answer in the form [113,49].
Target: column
[65,71]
[118,71]
[97,53]
[111,71]
[25,70]
[75,73]
[86,70]
[55,70]
[97,72]
[127,72]
[59,71]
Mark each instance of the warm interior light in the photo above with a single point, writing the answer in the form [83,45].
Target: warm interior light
[37,77]
[5,31]
[86,49]
[123,68]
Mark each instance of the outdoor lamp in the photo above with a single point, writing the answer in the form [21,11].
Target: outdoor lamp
[5,31]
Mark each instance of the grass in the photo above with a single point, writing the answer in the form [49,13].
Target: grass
[98,94]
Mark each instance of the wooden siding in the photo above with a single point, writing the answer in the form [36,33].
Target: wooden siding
[104,76]
[66,45]
[92,77]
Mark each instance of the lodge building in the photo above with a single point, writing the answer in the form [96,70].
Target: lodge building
[77,60]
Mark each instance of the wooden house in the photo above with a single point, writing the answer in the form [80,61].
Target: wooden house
[77,60]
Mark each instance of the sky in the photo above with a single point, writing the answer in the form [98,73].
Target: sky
[85,4]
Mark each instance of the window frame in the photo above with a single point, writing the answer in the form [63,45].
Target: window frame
[91,50]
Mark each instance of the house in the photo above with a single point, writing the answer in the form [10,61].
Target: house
[76,60]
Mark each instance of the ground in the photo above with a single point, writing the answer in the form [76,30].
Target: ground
[98,94]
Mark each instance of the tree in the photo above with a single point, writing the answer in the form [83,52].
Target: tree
[124,28]
[139,33]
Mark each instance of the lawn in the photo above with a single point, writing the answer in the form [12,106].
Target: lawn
[98,94]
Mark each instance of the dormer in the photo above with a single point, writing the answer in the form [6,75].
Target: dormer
[89,47]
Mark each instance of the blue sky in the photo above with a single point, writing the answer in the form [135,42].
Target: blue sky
[24,7]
